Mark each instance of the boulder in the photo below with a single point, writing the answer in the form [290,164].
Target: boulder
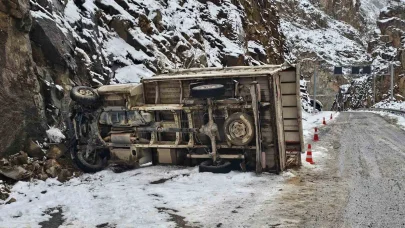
[33,150]
[64,175]
[52,168]
[43,176]
[55,151]
[4,191]
[15,172]
[21,159]
[4,162]
[12,200]
[55,45]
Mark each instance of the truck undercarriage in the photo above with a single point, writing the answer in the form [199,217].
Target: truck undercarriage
[181,119]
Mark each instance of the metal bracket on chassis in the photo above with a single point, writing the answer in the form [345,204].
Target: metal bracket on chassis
[211,130]
[255,92]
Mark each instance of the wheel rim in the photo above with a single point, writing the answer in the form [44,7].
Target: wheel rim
[92,158]
[86,92]
[238,129]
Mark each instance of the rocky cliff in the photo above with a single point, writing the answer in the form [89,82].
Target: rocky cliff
[385,46]
[21,104]
[322,34]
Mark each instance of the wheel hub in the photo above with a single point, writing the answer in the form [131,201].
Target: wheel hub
[238,129]
[85,92]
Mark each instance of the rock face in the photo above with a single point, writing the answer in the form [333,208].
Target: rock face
[388,47]
[385,47]
[21,105]
[321,34]
[345,32]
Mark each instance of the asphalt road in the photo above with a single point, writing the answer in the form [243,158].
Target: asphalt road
[360,182]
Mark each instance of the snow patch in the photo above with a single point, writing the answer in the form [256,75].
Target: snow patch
[388,104]
[133,73]
[140,198]
[55,135]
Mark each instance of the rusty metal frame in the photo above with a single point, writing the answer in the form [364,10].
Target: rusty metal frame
[224,156]
[170,107]
[256,115]
[190,125]
[171,145]
[178,124]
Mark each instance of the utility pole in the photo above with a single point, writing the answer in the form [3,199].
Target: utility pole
[314,106]
[392,82]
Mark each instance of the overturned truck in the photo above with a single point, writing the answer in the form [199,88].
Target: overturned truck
[218,118]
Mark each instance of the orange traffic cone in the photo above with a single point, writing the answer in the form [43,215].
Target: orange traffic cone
[324,121]
[316,137]
[331,116]
[309,155]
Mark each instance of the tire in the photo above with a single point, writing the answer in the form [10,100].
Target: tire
[208,91]
[207,166]
[84,95]
[243,123]
[76,155]
[85,166]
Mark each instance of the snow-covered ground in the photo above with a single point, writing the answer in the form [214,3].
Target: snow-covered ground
[310,121]
[157,196]
[144,197]
[399,105]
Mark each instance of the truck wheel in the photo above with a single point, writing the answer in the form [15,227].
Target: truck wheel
[84,95]
[93,164]
[208,166]
[239,129]
[208,91]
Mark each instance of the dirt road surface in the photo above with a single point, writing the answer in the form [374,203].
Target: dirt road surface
[358,180]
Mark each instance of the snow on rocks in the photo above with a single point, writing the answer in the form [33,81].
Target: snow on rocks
[309,29]
[165,34]
[4,191]
[146,197]
[55,135]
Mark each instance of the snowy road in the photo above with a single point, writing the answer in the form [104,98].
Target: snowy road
[358,182]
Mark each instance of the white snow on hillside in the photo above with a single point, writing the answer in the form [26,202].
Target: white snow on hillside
[179,21]
[371,11]
[133,199]
[398,105]
[333,41]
